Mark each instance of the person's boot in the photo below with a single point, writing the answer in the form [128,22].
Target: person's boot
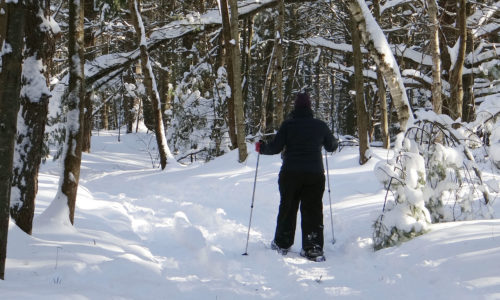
[314,254]
[282,251]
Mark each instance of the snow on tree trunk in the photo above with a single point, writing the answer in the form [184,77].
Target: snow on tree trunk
[381,93]
[376,43]
[32,115]
[226,32]
[11,50]
[72,153]
[150,84]
[237,93]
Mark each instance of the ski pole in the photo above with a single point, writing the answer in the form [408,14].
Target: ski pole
[329,195]
[251,206]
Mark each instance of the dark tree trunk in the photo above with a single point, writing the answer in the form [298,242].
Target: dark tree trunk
[10,85]
[129,102]
[239,114]
[264,104]
[290,60]
[226,31]
[279,65]
[87,122]
[469,102]
[456,80]
[104,116]
[89,42]
[76,97]
[34,107]
[362,116]
[247,57]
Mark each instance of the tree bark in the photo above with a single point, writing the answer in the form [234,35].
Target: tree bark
[32,116]
[437,102]
[237,93]
[317,85]
[87,122]
[247,55]
[128,101]
[384,118]
[381,93]
[456,81]
[104,116]
[76,97]
[150,82]
[362,116]
[89,42]
[279,64]
[290,59]
[469,101]
[10,85]
[380,52]
[265,93]
[226,31]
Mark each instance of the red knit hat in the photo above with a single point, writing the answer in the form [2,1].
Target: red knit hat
[302,101]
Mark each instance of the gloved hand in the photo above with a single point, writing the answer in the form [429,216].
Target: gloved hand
[257,146]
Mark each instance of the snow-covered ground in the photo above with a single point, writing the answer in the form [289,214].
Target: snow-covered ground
[142,233]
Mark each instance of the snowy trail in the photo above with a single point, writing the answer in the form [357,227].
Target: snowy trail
[141,233]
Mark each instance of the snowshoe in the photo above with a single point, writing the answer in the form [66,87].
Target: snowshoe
[313,254]
[282,251]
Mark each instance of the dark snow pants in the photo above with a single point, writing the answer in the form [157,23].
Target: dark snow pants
[304,189]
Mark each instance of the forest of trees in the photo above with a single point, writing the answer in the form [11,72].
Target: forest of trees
[208,76]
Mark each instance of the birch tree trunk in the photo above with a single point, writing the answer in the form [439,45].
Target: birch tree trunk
[237,93]
[456,81]
[150,82]
[437,102]
[362,116]
[10,84]
[226,31]
[381,93]
[378,47]
[32,116]
[279,64]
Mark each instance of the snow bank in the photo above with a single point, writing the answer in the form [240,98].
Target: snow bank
[145,234]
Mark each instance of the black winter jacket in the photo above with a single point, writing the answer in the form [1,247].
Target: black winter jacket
[301,137]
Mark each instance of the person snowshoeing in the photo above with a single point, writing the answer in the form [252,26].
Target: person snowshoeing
[301,178]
